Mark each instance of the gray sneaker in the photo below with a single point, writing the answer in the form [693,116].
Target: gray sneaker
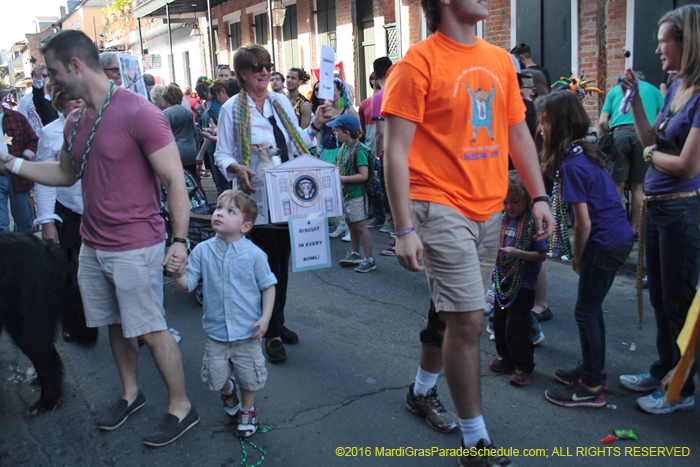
[430,408]
[642,382]
[388,226]
[367,265]
[655,403]
[374,223]
[351,259]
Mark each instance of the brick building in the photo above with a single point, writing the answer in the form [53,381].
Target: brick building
[566,36]
[359,30]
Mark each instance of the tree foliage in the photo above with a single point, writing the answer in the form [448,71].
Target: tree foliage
[119,19]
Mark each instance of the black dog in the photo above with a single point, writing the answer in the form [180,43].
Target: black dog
[38,288]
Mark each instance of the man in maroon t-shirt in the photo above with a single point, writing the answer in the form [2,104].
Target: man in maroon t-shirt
[123,146]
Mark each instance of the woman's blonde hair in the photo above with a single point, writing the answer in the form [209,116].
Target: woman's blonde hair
[58,95]
[684,26]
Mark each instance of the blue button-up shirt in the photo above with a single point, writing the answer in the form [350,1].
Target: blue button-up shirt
[233,276]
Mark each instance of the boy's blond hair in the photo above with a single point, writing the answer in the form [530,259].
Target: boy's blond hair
[517,187]
[244,202]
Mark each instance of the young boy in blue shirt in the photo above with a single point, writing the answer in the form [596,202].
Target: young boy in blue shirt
[234,273]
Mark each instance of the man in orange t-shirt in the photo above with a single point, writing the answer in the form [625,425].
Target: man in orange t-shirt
[453,115]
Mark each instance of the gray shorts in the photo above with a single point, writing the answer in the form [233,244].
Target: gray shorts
[458,254]
[356,208]
[242,358]
[123,287]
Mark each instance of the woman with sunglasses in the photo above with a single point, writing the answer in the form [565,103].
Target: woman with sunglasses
[672,202]
[251,117]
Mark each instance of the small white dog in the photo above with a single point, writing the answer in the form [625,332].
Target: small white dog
[266,150]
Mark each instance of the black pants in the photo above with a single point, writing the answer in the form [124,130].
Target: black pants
[276,245]
[69,232]
[512,329]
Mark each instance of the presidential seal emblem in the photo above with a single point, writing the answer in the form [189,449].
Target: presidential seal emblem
[305,188]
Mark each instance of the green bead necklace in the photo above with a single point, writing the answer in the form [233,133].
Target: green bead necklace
[346,163]
[79,175]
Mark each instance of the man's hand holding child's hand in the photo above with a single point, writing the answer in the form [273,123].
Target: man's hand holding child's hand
[173,266]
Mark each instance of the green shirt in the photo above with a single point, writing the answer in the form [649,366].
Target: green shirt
[348,167]
[651,98]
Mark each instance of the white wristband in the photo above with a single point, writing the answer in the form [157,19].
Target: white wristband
[17,165]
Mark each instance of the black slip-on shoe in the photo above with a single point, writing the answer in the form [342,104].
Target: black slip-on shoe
[119,412]
[171,429]
[276,352]
[287,336]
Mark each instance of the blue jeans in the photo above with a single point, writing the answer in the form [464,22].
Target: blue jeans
[596,275]
[673,263]
[20,205]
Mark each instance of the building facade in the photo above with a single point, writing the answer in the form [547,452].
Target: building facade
[566,36]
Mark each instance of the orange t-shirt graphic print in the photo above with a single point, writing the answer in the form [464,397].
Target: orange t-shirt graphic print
[464,99]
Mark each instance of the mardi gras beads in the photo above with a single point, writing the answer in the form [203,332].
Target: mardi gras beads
[509,271]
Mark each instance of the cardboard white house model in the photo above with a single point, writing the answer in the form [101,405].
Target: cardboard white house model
[305,185]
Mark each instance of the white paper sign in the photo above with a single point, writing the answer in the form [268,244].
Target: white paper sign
[311,248]
[325,85]
[147,62]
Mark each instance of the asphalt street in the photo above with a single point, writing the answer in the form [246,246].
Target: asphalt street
[343,388]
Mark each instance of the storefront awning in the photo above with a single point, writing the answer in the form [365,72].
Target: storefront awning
[157,7]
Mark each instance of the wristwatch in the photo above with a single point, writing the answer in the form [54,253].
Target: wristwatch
[186,241]
[544,198]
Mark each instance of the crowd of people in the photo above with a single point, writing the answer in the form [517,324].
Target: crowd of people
[477,205]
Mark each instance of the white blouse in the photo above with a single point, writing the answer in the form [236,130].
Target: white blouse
[50,144]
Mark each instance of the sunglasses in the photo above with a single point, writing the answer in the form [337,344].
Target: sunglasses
[113,70]
[44,75]
[258,67]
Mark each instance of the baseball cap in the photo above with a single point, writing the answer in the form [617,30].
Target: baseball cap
[347,122]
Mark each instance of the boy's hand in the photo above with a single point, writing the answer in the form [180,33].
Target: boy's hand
[261,326]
